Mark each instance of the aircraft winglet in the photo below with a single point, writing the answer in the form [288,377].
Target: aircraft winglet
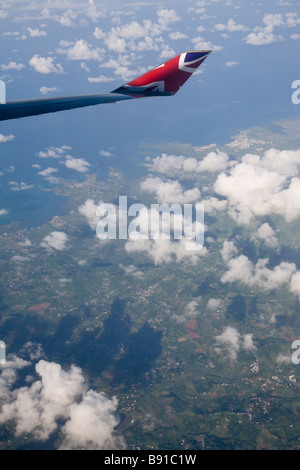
[167,78]
[164,80]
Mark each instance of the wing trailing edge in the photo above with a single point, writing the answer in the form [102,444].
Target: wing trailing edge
[164,80]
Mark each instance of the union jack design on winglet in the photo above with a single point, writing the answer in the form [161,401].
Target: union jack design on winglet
[167,78]
[164,80]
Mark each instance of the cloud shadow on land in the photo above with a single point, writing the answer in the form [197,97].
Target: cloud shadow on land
[144,348]
[96,351]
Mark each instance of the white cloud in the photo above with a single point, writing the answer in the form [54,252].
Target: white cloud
[67,19]
[248,344]
[262,38]
[230,63]
[241,269]
[177,35]
[34,33]
[201,44]
[169,192]
[100,79]
[9,375]
[59,396]
[214,304]
[78,164]
[231,342]
[166,251]
[179,165]
[54,152]
[137,37]
[55,240]
[19,186]
[93,13]
[3,14]
[228,250]
[98,33]
[259,186]
[45,65]
[12,66]
[3,211]
[191,310]
[284,358]
[213,205]
[48,174]
[295,283]
[231,26]
[91,424]
[266,233]
[262,35]
[88,210]
[46,90]
[6,138]
[166,17]
[166,52]
[82,50]
[105,153]
[132,270]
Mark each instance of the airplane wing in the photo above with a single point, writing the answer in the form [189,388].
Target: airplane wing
[164,80]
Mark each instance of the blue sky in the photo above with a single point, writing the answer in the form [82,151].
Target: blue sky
[59,48]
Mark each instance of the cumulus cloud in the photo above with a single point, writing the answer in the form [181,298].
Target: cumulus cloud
[228,250]
[166,251]
[213,205]
[295,283]
[47,173]
[55,240]
[3,211]
[169,192]
[214,304]
[231,342]
[82,50]
[9,375]
[132,270]
[46,90]
[259,186]
[267,234]
[139,36]
[67,18]
[172,165]
[88,210]
[191,310]
[19,186]
[78,164]
[34,33]
[100,79]
[262,35]
[241,269]
[59,396]
[6,138]
[154,231]
[284,359]
[231,26]
[12,66]
[230,63]
[54,152]
[201,44]
[45,65]
[91,424]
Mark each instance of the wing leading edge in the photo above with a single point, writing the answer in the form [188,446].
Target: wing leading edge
[164,80]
